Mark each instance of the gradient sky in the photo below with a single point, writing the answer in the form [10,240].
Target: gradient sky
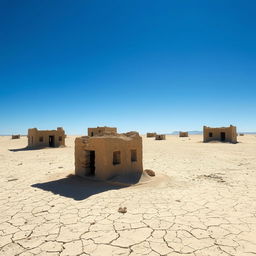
[137,65]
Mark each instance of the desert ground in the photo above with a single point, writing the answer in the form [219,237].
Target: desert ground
[201,202]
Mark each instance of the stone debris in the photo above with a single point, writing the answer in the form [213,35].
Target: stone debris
[150,172]
[213,176]
[14,179]
[122,210]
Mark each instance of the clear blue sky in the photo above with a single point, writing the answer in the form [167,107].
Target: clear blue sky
[137,65]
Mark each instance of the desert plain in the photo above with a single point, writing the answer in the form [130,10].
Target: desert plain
[201,202]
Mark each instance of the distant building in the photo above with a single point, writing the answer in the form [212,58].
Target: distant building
[16,136]
[46,138]
[109,155]
[160,137]
[223,134]
[100,131]
[151,134]
[183,134]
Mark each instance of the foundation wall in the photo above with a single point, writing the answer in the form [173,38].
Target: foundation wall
[214,134]
[41,138]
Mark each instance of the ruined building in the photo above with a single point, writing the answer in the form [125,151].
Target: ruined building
[160,137]
[151,134]
[46,138]
[16,136]
[99,131]
[183,134]
[223,134]
[109,155]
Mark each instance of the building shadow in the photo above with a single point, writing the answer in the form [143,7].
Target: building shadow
[30,149]
[76,187]
[23,149]
[128,179]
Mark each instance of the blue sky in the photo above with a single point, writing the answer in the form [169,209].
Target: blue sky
[137,65]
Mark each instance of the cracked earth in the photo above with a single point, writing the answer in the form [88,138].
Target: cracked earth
[202,202]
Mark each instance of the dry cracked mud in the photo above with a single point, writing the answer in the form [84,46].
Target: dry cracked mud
[47,211]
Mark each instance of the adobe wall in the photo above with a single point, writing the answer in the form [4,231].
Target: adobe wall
[16,136]
[104,147]
[151,134]
[40,138]
[100,131]
[214,134]
[183,134]
[160,137]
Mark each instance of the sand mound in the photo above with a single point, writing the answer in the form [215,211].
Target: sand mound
[130,179]
[160,180]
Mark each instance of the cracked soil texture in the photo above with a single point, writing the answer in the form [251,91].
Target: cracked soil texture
[201,202]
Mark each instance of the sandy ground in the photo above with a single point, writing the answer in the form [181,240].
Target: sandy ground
[204,205]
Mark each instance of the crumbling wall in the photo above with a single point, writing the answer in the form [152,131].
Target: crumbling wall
[16,136]
[183,134]
[160,137]
[223,134]
[100,131]
[46,138]
[151,134]
[114,155]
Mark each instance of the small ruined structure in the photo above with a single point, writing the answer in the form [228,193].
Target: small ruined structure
[46,138]
[160,137]
[223,134]
[241,134]
[100,131]
[16,136]
[109,155]
[183,134]
[151,134]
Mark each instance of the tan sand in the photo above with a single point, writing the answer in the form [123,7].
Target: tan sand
[201,203]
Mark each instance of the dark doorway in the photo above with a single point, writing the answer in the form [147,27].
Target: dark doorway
[116,157]
[90,163]
[51,141]
[222,136]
